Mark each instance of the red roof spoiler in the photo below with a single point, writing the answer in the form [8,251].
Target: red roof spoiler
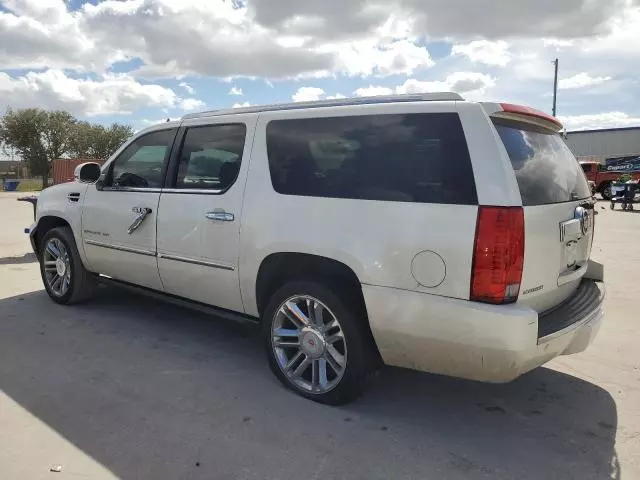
[510,110]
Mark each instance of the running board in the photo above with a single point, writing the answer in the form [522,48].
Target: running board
[181,302]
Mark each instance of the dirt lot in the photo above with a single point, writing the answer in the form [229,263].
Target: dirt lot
[127,387]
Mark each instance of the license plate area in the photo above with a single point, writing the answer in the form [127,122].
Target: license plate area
[575,247]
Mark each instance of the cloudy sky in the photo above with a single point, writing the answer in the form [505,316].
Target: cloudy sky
[141,61]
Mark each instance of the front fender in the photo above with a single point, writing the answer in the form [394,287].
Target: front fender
[55,203]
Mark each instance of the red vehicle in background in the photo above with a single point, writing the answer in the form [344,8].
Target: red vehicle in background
[602,178]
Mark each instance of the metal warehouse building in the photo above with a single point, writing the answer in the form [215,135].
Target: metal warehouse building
[598,145]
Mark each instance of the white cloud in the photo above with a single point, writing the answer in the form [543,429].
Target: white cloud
[286,38]
[221,40]
[191,104]
[235,91]
[372,91]
[466,82]
[307,94]
[469,83]
[110,94]
[337,96]
[364,58]
[484,51]
[241,105]
[188,88]
[365,40]
[581,80]
[148,122]
[416,86]
[451,19]
[599,120]
[46,10]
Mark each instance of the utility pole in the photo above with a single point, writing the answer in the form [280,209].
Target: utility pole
[555,85]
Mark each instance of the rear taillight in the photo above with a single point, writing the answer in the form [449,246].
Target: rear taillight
[498,255]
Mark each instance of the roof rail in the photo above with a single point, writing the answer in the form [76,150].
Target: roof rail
[420,97]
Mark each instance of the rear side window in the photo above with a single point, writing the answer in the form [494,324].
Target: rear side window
[405,158]
[546,170]
[210,156]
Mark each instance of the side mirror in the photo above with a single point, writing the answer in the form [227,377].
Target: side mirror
[87,172]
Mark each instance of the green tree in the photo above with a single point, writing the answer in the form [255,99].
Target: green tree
[96,141]
[39,136]
[80,142]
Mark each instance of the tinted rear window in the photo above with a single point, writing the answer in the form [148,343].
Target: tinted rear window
[405,158]
[546,170]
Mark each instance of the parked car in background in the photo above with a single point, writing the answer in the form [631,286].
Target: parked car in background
[602,178]
[422,231]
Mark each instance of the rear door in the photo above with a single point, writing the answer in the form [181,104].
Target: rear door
[558,209]
[199,215]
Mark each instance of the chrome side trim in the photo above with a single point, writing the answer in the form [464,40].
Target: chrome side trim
[120,248]
[193,261]
[198,191]
[131,189]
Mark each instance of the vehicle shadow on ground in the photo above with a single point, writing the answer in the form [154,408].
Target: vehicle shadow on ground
[151,390]
[26,258]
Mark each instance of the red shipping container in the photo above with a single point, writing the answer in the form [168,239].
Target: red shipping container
[62,168]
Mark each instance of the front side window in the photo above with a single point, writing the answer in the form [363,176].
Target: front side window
[141,164]
[210,157]
[403,158]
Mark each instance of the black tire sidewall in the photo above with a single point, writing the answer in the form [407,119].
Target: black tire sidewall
[358,356]
[59,234]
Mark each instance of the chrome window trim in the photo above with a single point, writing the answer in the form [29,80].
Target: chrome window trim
[198,191]
[121,248]
[193,261]
[132,189]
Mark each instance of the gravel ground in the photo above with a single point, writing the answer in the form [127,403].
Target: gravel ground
[129,387]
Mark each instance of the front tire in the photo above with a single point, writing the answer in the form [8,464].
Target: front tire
[65,279]
[317,342]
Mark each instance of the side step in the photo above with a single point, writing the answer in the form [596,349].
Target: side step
[181,302]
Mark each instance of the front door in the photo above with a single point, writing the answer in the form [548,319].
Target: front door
[119,216]
[199,215]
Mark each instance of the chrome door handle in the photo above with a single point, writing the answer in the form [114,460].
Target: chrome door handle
[142,214]
[220,215]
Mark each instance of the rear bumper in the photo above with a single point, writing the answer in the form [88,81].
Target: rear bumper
[473,340]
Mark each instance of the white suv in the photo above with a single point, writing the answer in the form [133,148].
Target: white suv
[421,231]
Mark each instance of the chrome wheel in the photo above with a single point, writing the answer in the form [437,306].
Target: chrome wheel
[57,267]
[309,344]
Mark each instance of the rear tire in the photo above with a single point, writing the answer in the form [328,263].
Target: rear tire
[65,279]
[324,356]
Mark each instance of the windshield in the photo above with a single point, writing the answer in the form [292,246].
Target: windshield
[546,170]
